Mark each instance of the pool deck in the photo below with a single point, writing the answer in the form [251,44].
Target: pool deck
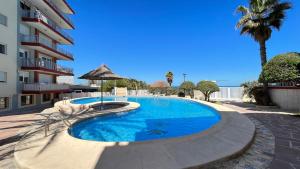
[229,138]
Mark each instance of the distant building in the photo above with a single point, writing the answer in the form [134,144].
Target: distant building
[94,83]
[66,80]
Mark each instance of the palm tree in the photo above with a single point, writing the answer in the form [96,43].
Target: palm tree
[170,77]
[258,21]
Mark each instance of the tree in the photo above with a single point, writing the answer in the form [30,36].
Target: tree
[258,21]
[282,68]
[207,88]
[170,77]
[249,88]
[131,84]
[188,88]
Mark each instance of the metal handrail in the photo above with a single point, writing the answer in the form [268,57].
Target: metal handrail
[46,42]
[39,15]
[39,63]
[44,87]
[59,11]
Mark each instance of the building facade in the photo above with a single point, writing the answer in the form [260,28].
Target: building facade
[32,37]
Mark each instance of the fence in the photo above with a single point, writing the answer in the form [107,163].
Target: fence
[83,94]
[228,94]
[138,92]
[98,94]
[225,94]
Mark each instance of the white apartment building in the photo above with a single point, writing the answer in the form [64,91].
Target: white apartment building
[31,43]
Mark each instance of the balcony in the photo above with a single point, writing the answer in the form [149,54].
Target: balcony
[64,6]
[45,46]
[51,9]
[45,67]
[39,21]
[37,88]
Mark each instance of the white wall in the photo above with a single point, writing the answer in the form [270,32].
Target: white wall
[8,36]
[286,98]
[65,80]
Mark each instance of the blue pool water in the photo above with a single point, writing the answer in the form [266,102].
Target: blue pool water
[157,118]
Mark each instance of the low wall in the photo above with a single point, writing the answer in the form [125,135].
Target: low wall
[286,97]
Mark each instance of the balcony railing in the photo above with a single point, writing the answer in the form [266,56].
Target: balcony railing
[53,5]
[38,15]
[40,87]
[38,63]
[46,42]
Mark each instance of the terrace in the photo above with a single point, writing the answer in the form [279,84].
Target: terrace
[44,46]
[38,20]
[44,88]
[50,8]
[43,66]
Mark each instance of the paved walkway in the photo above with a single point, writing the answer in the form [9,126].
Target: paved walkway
[11,124]
[285,128]
[9,128]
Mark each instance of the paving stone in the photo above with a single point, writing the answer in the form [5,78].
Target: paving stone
[282,142]
[258,156]
[278,164]
[286,129]
[295,145]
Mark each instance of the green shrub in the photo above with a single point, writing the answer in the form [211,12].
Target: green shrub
[181,94]
[131,84]
[258,93]
[248,88]
[207,88]
[171,91]
[282,68]
[188,88]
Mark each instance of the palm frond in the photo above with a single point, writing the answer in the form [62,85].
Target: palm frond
[277,15]
[261,16]
[242,9]
[243,20]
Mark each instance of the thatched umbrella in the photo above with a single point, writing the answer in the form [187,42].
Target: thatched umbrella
[101,73]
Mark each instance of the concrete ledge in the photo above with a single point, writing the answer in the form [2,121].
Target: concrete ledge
[230,137]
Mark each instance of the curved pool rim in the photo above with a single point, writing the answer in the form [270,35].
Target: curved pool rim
[229,138]
[214,111]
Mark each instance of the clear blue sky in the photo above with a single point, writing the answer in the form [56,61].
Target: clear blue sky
[144,39]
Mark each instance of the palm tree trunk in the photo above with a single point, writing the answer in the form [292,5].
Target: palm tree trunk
[263,58]
[263,53]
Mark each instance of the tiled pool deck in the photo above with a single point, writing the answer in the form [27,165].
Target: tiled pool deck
[285,128]
[230,137]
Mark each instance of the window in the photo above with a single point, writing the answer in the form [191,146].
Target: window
[46,97]
[4,103]
[46,79]
[3,49]
[46,62]
[24,30]
[3,77]
[23,54]
[3,20]
[24,77]
[26,100]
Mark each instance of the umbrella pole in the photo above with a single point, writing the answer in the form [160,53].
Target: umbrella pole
[101,94]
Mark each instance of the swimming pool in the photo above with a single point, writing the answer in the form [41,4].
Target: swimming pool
[157,118]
